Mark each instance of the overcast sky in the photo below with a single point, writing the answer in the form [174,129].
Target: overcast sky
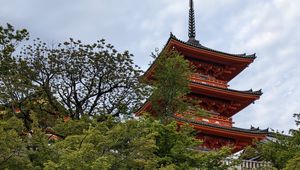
[269,28]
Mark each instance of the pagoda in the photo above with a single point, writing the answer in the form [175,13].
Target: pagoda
[209,87]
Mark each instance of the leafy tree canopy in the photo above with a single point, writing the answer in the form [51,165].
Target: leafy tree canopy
[282,151]
[170,86]
[69,107]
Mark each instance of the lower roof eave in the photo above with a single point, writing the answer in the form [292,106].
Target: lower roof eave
[224,131]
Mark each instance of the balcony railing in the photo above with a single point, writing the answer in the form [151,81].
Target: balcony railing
[211,119]
[208,80]
[248,165]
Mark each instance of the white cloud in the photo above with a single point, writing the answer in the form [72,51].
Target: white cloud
[272,31]
[268,27]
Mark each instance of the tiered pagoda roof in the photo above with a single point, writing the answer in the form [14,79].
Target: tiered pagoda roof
[198,52]
[209,86]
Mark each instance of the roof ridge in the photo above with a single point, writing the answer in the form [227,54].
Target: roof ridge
[243,55]
[222,127]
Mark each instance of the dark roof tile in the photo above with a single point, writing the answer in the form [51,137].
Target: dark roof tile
[222,127]
[198,45]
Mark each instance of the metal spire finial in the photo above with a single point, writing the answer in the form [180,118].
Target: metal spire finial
[192,27]
[192,31]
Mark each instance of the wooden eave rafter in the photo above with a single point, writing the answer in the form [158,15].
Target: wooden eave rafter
[239,63]
[213,129]
[226,132]
[145,108]
[207,55]
[243,98]
[236,61]
[223,93]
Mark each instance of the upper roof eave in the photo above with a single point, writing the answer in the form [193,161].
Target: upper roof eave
[241,56]
[232,56]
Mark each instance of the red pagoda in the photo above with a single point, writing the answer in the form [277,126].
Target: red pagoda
[209,86]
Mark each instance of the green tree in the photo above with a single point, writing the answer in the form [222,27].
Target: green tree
[9,39]
[293,164]
[170,84]
[13,151]
[134,144]
[41,65]
[87,79]
[94,84]
[282,151]
[179,149]
[108,144]
[14,87]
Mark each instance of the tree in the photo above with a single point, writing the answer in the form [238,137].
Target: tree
[94,84]
[9,39]
[139,144]
[178,148]
[170,84]
[87,79]
[293,164]
[282,151]
[39,147]
[170,87]
[108,144]
[41,65]
[13,152]
[134,144]
[14,87]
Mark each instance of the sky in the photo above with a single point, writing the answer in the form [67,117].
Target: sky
[269,28]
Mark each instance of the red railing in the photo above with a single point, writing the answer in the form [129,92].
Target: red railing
[211,119]
[208,80]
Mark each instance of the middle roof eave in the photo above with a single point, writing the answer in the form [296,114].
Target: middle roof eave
[250,94]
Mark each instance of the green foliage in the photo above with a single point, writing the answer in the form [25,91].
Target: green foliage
[87,79]
[293,164]
[278,152]
[98,143]
[133,144]
[282,151]
[71,127]
[39,149]
[107,145]
[172,150]
[249,152]
[9,39]
[94,84]
[170,83]
[19,96]
[13,152]
[13,86]
[72,78]
[178,149]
